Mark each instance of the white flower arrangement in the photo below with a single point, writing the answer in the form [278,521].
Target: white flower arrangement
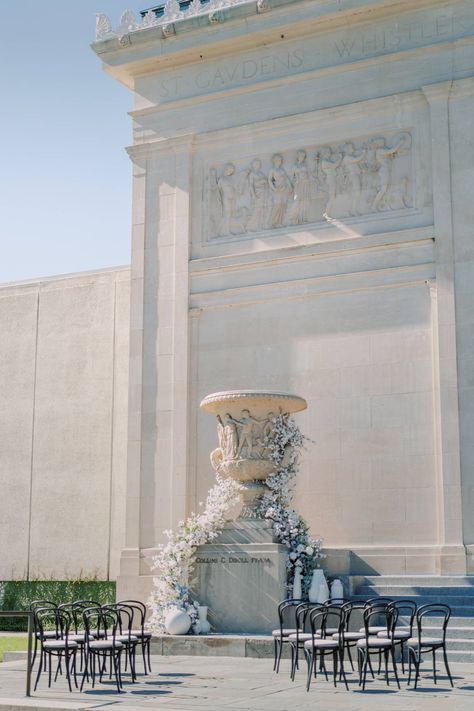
[175,559]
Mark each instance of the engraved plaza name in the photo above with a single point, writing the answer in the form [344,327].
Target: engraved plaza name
[224,559]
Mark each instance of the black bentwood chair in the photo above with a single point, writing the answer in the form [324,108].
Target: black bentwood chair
[287,621]
[125,635]
[57,648]
[352,610]
[47,634]
[322,644]
[138,629]
[107,648]
[372,644]
[303,633]
[421,644]
[402,633]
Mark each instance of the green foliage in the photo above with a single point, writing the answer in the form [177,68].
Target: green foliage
[12,644]
[17,595]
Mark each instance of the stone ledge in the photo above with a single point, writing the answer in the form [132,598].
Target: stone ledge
[214,645]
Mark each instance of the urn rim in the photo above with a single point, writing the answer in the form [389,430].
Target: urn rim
[292,403]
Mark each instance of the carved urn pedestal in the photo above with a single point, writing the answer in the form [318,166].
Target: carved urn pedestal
[241,577]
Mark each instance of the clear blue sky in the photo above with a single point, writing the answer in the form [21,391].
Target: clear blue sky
[65,185]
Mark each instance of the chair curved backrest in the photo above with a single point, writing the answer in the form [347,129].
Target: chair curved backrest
[388,614]
[379,601]
[405,608]
[53,617]
[337,601]
[136,607]
[287,610]
[437,609]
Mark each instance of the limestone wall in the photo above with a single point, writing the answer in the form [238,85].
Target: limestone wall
[63,414]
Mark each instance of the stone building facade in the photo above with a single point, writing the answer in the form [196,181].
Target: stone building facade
[302,221]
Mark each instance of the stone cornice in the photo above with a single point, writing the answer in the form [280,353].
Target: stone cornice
[241,27]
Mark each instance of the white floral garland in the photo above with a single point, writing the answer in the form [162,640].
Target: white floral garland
[175,559]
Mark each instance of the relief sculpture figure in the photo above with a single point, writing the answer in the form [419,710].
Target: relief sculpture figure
[246,439]
[384,158]
[351,163]
[281,189]
[230,438]
[258,187]
[301,178]
[215,203]
[228,195]
[329,166]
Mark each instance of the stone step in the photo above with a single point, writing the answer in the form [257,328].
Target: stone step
[464,591]
[261,646]
[430,580]
[454,622]
[460,607]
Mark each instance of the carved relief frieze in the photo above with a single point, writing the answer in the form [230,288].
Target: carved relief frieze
[310,185]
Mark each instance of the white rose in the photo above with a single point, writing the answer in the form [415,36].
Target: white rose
[309,550]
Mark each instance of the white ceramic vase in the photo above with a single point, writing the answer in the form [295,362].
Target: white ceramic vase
[297,588]
[316,580]
[337,590]
[177,621]
[203,621]
[323,593]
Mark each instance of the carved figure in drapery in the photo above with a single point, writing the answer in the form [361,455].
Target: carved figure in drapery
[384,159]
[329,166]
[230,438]
[228,194]
[281,189]
[258,187]
[352,166]
[301,179]
[103,27]
[215,203]
[246,434]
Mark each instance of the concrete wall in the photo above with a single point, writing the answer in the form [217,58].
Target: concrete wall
[63,413]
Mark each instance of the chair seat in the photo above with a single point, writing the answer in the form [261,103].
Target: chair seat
[302,636]
[375,630]
[322,644]
[350,636]
[425,641]
[141,635]
[125,638]
[60,644]
[375,642]
[284,632]
[80,637]
[397,634]
[47,635]
[105,644]
[331,630]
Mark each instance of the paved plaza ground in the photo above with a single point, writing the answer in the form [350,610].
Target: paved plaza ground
[215,683]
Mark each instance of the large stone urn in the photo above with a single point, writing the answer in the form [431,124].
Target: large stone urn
[246,430]
[241,575]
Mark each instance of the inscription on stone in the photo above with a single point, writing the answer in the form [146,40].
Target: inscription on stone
[420,28]
[225,559]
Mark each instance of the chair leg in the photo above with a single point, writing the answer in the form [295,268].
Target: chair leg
[49,671]
[394,663]
[40,669]
[385,656]
[445,657]
[417,660]
[148,644]
[275,654]
[293,662]
[280,650]
[364,672]
[116,663]
[143,645]
[68,676]
[434,667]
[334,667]
[350,656]
[370,667]
[343,672]
[402,653]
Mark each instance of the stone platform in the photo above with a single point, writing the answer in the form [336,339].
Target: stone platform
[241,577]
